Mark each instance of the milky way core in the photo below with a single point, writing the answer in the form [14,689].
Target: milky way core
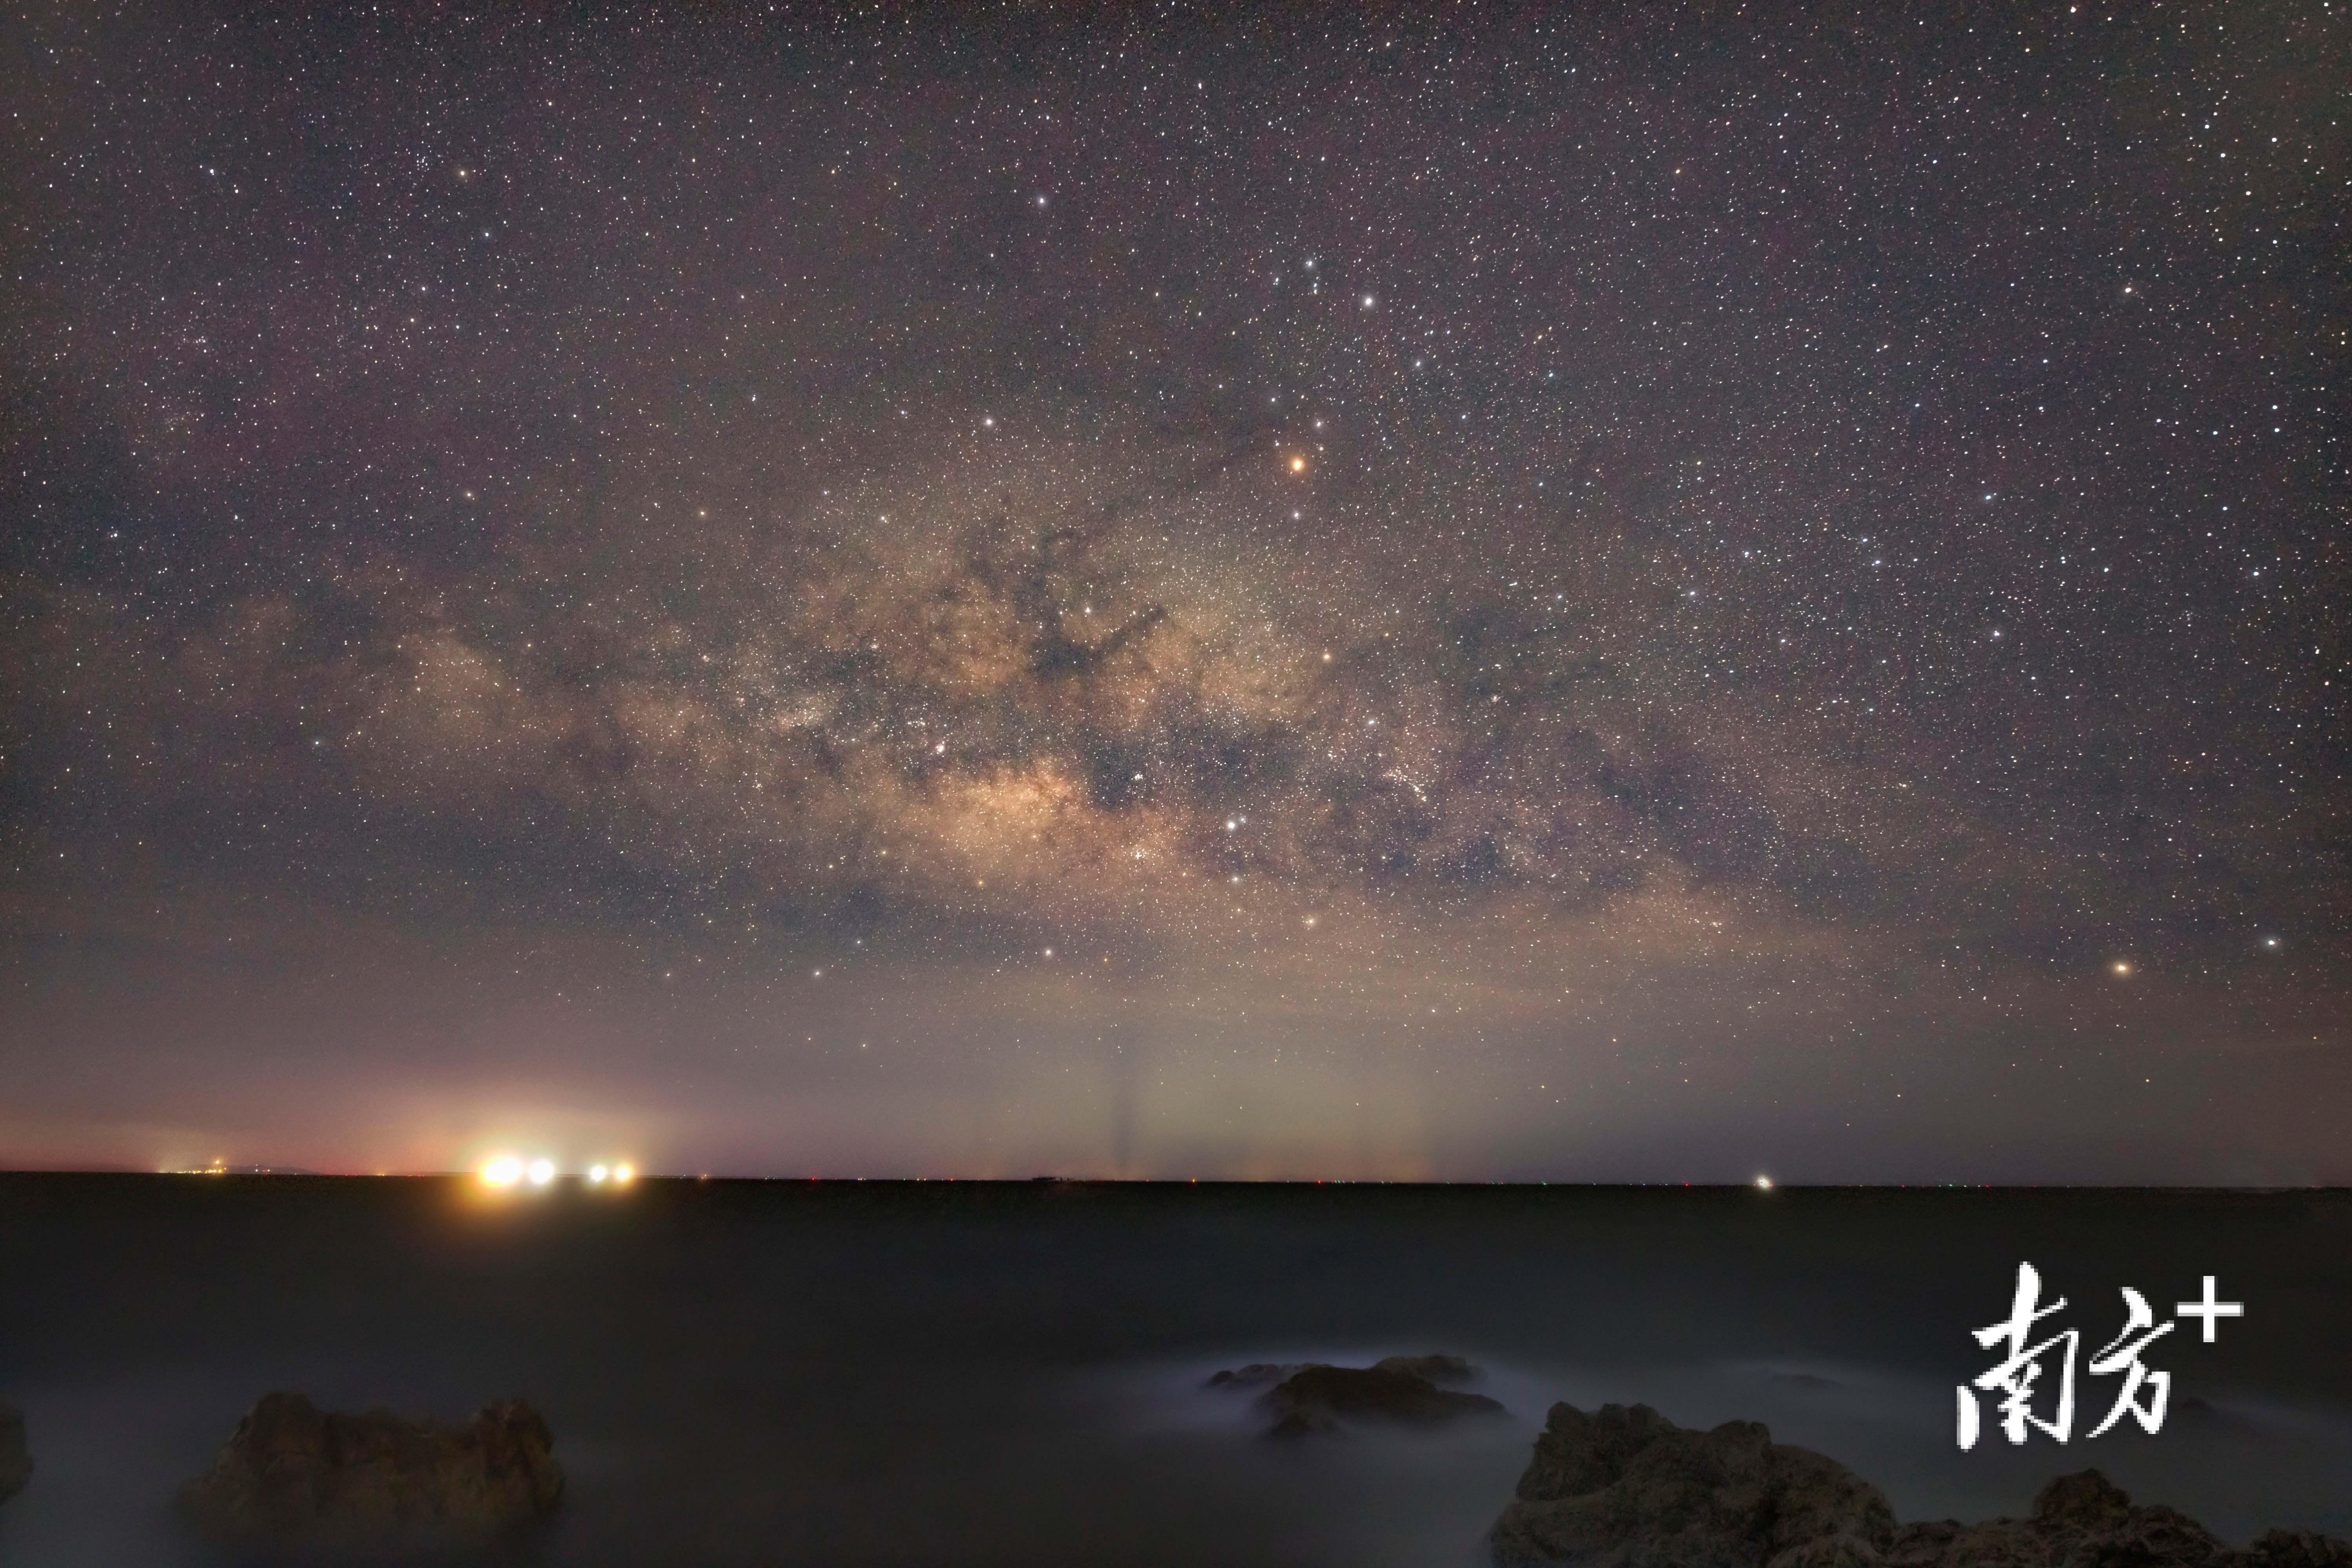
[1607,595]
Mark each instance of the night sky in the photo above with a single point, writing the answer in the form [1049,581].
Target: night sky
[1643,594]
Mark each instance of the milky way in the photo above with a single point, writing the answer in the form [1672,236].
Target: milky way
[1628,596]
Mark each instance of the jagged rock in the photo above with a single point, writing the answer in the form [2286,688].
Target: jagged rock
[2084,1518]
[1629,1488]
[1319,1398]
[294,1475]
[2087,1520]
[1258,1374]
[1434,1368]
[16,1458]
[2294,1549]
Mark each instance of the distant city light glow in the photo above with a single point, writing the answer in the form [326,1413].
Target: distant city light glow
[502,1172]
[541,1172]
[624,1174]
[596,1174]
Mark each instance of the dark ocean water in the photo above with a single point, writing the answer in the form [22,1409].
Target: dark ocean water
[968,1373]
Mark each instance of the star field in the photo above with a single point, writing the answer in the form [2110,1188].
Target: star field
[1564,593]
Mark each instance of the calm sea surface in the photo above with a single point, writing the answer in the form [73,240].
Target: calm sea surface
[972,1374]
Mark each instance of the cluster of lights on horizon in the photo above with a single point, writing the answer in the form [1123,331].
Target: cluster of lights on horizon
[507,1171]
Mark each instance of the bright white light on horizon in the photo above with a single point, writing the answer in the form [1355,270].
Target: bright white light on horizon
[624,1175]
[502,1172]
[596,1174]
[541,1172]
[1764,1184]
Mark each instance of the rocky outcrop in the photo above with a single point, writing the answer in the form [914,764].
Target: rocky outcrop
[1628,1488]
[2293,1548]
[2084,1512]
[2084,1518]
[1257,1374]
[1309,1397]
[15,1457]
[297,1476]
[1434,1368]
[1321,1399]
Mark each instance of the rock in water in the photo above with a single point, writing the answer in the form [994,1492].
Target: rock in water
[1432,1368]
[2085,1518]
[1629,1488]
[1258,1374]
[2076,1513]
[2295,1548]
[1318,1399]
[297,1476]
[16,1458]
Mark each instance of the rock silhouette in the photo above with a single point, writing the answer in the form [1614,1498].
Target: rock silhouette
[1624,1487]
[2086,1518]
[1321,1399]
[1436,1368]
[1257,1374]
[1632,1489]
[297,1476]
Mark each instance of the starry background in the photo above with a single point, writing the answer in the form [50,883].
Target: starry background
[1634,594]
